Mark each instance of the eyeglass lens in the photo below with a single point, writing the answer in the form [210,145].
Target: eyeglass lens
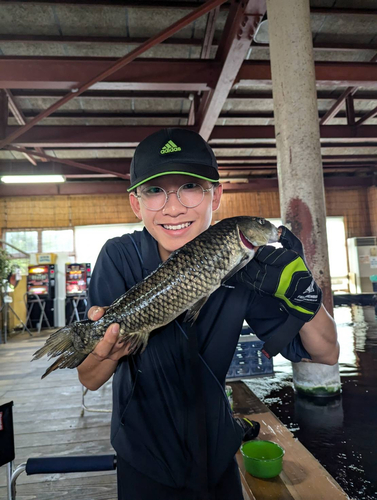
[190,195]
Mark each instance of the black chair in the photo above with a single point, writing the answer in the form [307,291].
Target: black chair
[45,465]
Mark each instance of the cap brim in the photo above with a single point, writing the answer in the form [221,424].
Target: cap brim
[201,172]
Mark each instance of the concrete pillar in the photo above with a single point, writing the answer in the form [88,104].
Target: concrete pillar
[315,379]
[300,175]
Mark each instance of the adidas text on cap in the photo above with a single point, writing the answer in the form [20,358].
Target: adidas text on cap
[173,151]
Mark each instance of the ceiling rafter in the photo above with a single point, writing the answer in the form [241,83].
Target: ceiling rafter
[116,95]
[64,73]
[21,120]
[120,63]
[129,136]
[71,163]
[99,114]
[348,93]
[193,42]
[241,24]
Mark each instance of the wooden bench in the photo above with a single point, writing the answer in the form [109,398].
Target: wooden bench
[302,478]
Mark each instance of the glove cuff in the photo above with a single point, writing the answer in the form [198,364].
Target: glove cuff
[303,304]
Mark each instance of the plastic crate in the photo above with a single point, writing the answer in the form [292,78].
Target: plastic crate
[248,360]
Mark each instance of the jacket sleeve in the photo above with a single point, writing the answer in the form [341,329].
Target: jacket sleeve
[268,320]
[107,282]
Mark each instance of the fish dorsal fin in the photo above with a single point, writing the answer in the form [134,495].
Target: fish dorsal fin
[235,270]
[193,313]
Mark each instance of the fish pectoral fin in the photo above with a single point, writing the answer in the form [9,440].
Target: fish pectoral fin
[235,270]
[193,313]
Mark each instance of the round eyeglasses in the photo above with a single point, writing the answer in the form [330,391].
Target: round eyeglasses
[190,195]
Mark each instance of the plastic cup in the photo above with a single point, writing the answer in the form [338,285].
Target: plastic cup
[262,459]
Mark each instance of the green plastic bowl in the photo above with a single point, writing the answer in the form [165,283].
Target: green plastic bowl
[262,458]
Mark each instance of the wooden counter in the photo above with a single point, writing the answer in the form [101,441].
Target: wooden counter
[302,478]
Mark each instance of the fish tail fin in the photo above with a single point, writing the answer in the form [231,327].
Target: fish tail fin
[66,360]
[60,343]
[57,343]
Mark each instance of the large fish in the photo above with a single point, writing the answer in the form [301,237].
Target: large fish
[182,283]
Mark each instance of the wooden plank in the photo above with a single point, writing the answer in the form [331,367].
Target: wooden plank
[47,422]
[303,477]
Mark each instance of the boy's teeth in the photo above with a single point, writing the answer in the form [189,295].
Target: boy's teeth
[175,228]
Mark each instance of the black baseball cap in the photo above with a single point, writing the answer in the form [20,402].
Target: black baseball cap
[173,151]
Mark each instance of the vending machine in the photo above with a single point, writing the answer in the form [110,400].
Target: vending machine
[77,279]
[41,285]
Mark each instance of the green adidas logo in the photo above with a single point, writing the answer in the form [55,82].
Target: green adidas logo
[170,147]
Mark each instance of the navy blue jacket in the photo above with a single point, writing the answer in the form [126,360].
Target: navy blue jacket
[154,424]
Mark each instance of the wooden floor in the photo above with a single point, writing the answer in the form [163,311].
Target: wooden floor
[48,422]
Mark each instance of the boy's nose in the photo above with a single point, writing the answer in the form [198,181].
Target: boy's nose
[173,206]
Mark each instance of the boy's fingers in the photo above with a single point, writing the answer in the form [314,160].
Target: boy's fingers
[96,312]
[290,241]
[110,338]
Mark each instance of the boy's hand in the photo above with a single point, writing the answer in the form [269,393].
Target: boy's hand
[112,345]
[283,274]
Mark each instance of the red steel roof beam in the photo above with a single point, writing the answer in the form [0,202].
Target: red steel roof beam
[335,108]
[163,35]
[349,92]
[169,75]
[18,115]
[21,120]
[243,18]
[71,163]
[350,110]
[209,33]
[372,113]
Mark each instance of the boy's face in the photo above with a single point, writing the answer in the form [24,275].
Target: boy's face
[162,224]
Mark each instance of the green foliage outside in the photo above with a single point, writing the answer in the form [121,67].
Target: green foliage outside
[7,266]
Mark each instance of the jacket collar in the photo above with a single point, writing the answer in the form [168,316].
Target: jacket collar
[149,252]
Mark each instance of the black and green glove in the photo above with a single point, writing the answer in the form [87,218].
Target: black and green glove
[283,274]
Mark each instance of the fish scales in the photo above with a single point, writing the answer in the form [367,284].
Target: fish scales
[185,279]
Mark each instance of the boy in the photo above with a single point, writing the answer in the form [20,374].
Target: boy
[172,429]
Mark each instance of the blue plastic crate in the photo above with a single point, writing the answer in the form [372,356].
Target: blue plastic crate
[248,359]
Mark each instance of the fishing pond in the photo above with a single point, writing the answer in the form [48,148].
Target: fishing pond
[340,432]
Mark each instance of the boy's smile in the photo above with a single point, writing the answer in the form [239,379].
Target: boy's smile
[175,225]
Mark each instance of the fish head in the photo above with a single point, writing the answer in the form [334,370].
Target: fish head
[255,232]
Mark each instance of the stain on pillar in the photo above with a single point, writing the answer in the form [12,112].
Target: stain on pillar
[299,217]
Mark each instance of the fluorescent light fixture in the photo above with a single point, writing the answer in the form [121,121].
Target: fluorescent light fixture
[233,180]
[31,179]
[261,34]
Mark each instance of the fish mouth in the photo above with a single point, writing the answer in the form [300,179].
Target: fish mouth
[245,241]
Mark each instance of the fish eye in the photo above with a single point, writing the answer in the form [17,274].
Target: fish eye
[262,222]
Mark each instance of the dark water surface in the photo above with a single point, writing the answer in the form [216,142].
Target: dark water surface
[342,432]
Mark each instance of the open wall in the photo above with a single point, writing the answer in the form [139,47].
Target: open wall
[358,206]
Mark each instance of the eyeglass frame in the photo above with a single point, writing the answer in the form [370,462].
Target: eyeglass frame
[167,193]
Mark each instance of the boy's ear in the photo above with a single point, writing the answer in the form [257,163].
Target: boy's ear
[217,193]
[135,205]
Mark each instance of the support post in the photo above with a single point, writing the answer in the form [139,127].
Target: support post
[3,113]
[299,164]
